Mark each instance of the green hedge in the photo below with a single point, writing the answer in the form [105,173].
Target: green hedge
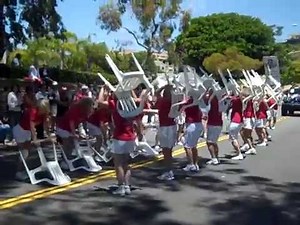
[58,75]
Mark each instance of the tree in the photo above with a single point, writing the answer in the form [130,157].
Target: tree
[20,20]
[232,59]
[215,33]
[292,75]
[157,21]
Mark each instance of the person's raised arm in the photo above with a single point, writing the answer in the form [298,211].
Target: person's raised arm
[103,96]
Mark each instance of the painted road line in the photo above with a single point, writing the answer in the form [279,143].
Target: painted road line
[32,196]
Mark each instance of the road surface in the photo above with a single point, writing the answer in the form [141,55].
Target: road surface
[260,190]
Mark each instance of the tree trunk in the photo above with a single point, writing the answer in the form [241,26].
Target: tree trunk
[2,30]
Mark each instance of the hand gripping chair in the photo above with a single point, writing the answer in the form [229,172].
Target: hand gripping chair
[233,82]
[129,81]
[58,177]
[83,153]
[193,85]
[231,85]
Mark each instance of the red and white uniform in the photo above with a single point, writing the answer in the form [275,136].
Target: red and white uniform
[123,135]
[249,116]
[167,126]
[261,115]
[273,110]
[236,122]
[194,127]
[214,122]
[22,131]
[76,114]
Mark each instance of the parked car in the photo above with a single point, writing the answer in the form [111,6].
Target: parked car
[291,102]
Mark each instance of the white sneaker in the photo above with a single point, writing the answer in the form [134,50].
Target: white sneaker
[157,148]
[269,138]
[262,144]
[251,151]
[189,167]
[197,168]
[120,190]
[273,128]
[245,147]
[180,143]
[127,189]
[213,161]
[238,157]
[167,176]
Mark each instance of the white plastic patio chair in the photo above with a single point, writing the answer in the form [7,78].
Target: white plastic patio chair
[58,177]
[129,81]
[84,154]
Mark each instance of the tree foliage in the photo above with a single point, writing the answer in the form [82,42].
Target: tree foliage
[215,33]
[231,59]
[157,21]
[21,20]
[76,54]
[292,74]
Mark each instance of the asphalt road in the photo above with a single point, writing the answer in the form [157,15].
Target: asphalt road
[260,190]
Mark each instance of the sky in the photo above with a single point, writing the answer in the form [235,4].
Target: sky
[79,16]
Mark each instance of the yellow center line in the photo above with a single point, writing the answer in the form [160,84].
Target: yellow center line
[35,195]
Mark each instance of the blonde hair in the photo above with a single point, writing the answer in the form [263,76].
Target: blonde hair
[44,106]
[245,91]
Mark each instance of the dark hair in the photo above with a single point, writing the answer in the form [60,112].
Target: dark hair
[18,55]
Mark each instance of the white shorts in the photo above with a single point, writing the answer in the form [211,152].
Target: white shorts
[167,136]
[234,130]
[21,135]
[260,123]
[93,130]
[122,147]
[249,123]
[213,133]
[63,133]
[192,134]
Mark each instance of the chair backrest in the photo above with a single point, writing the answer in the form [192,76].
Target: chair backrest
[127,82]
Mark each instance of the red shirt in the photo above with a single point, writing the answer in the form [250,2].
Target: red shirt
[164,105]
[249,111]
[75,114]
[193,114]
[31,114]
[214,116]
[272,102]
[123,128]
[101,115]
[262,110]
[237,110]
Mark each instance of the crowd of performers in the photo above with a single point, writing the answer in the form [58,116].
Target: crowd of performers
[104,123]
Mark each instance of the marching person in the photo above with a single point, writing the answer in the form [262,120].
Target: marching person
[194,128]
[122,144]
[25,131]
[69,122]
[236,123]
[214,128]
[260,124]
[167,129]
[249,124]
